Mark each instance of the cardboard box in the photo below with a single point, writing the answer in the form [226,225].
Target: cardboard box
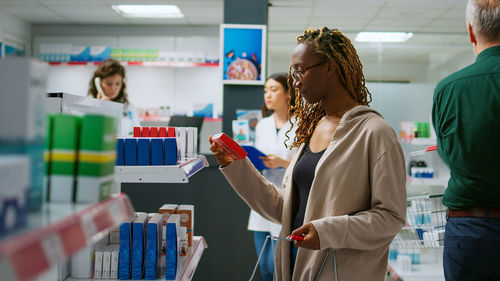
[96,158]
[63,154]
[138,245]
[186,213]
[172,253]
[14,184]
[153,247]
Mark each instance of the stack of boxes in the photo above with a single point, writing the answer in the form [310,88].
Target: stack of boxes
[157,146]
[152,244]
[80,157]
[22,129]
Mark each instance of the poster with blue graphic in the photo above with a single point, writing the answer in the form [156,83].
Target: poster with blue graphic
[243,54]
[11,51]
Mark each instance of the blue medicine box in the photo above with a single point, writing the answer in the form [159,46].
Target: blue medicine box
[170,151]
[120,150]
[156,152]
[125,253]
[131,152]
[143,152]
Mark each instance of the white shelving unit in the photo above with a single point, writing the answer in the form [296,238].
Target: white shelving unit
[188,264]
[160,174]
[192,260]
[419,141]
[419,272]
[144,63]
[55,233]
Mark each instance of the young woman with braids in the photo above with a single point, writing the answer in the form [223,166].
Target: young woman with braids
[345,187]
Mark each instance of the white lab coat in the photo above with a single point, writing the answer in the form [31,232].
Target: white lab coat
[130,119]
[270,142]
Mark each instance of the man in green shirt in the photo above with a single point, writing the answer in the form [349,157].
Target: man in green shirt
[466,117]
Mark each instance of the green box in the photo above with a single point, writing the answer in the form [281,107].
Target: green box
[63,157]
[96,158]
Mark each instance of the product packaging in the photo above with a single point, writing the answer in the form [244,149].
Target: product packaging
[96,158]
[153,131]
[22,118]
[186,213]
[145,132]
[113,272]
[171,151]
[106,262]
[172,252]
[125,253]
[137,132]
[162,132]
[190,152]
[64,152]
[98,256]
[82,263]
[131,152]
[14,172]
[230,146]
[181,142]
[120,152]
[143,152]
[153,247]
[171,132]
[138,244]
[156,152]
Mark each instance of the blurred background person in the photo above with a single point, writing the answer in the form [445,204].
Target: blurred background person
[108,83]
[270,137]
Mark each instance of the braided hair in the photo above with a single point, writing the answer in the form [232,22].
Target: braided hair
[334,47]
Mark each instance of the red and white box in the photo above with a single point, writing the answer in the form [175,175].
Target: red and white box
[230,146]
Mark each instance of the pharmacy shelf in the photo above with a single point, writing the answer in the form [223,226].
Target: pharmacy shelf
[55,233]
[161,174]
[188,264]
[419,272]
[419,141]
[143,63]
[441,181]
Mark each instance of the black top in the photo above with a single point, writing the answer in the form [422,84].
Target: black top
[303,175]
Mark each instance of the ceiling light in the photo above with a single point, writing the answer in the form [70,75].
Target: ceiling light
[383,36]
[149,11]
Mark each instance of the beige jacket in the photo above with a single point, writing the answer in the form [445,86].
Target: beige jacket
[357,201]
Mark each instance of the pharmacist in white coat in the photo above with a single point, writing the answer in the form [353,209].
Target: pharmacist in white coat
[108,83]
[270,136]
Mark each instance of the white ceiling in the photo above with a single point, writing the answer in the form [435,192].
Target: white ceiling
[438,25]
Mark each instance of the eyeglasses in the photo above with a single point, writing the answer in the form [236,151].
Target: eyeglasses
[298,73]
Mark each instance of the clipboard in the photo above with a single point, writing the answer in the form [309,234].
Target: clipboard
[253,155]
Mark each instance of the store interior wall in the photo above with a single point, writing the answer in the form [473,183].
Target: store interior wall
[179,88]
[15,31]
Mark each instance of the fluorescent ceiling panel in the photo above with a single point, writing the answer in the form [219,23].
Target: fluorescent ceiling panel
[383,36]
[149,11]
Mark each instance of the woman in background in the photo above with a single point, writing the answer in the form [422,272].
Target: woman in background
[270,138]
[108,83]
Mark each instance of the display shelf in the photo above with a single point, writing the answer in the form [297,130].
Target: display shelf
[419,272]
[55,233]
[160,174]
[440,181]
[419,141]
[142,63]
[188,264]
